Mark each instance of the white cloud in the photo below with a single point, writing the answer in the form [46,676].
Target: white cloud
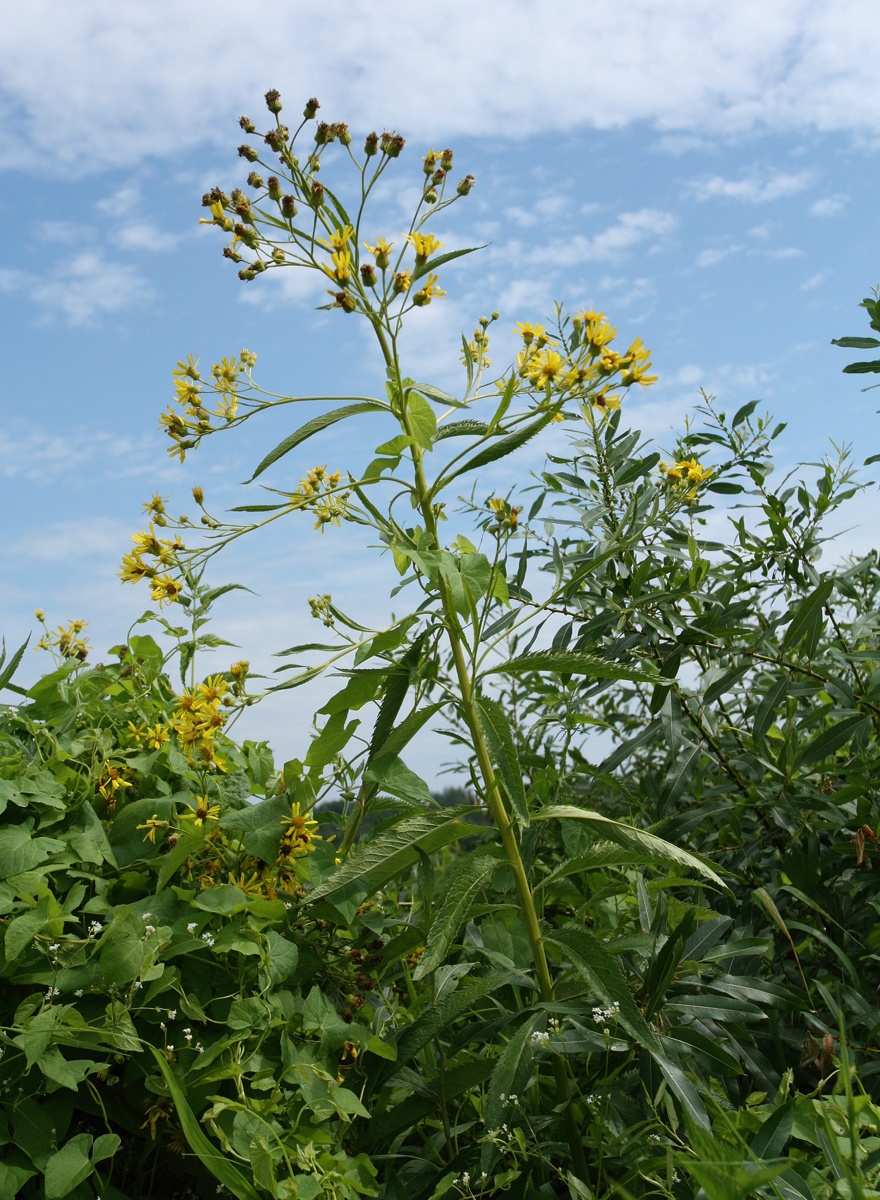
[123,201]
[752,189]
[29,452]
[630,229]
[813,281]
[829,206]
[170,76]
[786,252]
[714,255]
[145,236]
[82,288]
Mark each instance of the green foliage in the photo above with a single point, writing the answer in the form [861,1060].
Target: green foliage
[650,909]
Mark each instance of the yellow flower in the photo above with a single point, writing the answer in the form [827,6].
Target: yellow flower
[213,689]
[402,282]
[134,568]
[146,542]
[606,403]
[152,826]
[156,735]
[424,244]
[532,333]
[156,505]
[300,831]
[165,590]
[545,367]
[341,268]
[338,239]
[381,252]
[110,783]
[202,812]
[427,292]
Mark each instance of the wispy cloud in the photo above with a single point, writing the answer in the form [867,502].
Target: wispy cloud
[713,255]
[80,289]
[829,206]
[752,189]
[629,230]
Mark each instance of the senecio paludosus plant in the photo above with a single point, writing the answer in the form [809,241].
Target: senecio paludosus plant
[441,661]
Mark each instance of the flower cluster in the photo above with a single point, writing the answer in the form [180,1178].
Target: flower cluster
[583,366]
[318,492]
[67,641]
[505,517]
[685,477]
[165,554]
[187,428]
[300,833]
[197,720]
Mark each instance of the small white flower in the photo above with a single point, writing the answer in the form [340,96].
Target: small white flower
[192,927]
[199,1048]
[136,985]
[95,928]
[208,939]
[146,916]
[78,992]
[162,1025]
[170,1049]
[55,946]
[539,1038]
[148,929]
[466,1179]
[172,1014]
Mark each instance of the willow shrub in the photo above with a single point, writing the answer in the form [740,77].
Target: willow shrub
[550,992]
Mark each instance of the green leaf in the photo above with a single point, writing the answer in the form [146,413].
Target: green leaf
[831,740]
[806,617]
[499,737]
[423,420]
[509,1078]
[69,1167]
[603,973]
[468,427]
[21,852]
[437,1017]
[769,708]
[498,449]
[283,957]
[628,835]
[856,343]
[395,851]
[22,930]
[439,260]
[392,775]
[315,426]
[571,662]
[460,884]
[684,1090]
[863,368]
[330,741]
[215,1160]
[7,671]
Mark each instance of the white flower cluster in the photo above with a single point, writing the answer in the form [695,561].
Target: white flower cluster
[603,1016]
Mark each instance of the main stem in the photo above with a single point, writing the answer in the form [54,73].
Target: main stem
[495,803]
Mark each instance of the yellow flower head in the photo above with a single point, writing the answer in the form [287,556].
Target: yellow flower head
[165,590]
[338,239]
[152,826]
[605,403]
[340,270]
[424,244]
[381,252]
[532,333]
[402,282]
[545,367]
[300,832]
[202,812]
[427,292]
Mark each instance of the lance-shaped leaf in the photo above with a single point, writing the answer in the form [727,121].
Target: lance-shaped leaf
[511,1074]
[211,1156]
[636,839]
[682,1087]
[7,670]
[440,259]
[395,851]
[315,426]
[831,740]
[603,973]
[461,885]
[571,662]
[499,737]
[497,449]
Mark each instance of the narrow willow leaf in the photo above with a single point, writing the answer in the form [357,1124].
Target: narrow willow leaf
[831,740]
[434,393]
[11,667]
[603,973]
[624,750]
[684,1090]
[807,614]
[571,662]
[315,426]
[438,1016]
[461,884]
[395,851]
[629,835]
[211,1156]
[504,404]
[856,343]
[769,707]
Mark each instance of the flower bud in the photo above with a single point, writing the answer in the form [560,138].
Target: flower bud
[341,131]
[248,236]
[446,160]
[288,206]
[198,495]
[39,614]
[276,139]
[228,252]
[248,152]
[368,275]
[246,275]
[324,134]
[311,108]
[258,266]
[371,145]
[430,196]
[273,100]
[247,124]
[344,301]
[465,186]
[316,199]
[429,162]
[279,257]
[255,180]
[438,177]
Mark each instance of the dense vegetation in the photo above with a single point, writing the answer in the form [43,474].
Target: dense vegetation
[636,954]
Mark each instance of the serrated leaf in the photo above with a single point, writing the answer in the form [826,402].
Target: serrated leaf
[395,851]
[629,835]
[423,420]
[315,426]
[461,884]
[502,749]
[498,449]
[509,1078]
[469,427]
[571,662]
[603,973]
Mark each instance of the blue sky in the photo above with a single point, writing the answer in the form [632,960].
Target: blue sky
[708,178]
